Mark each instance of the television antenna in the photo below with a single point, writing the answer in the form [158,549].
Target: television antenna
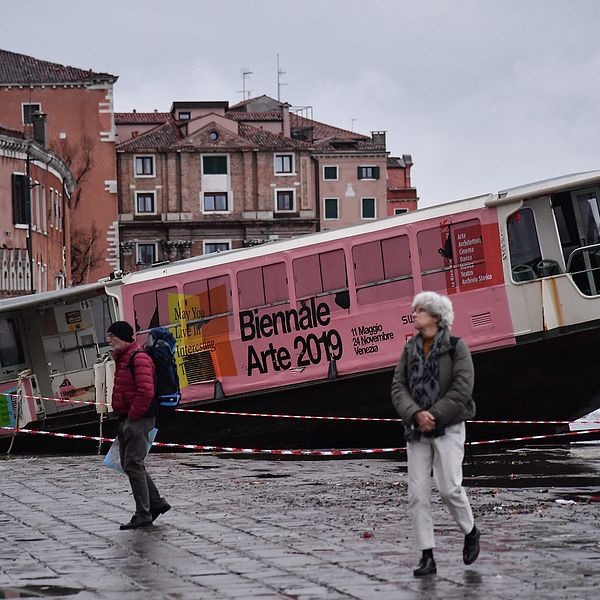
[280,72]
[245,74]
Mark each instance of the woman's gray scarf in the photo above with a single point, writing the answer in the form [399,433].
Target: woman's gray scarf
[424,379]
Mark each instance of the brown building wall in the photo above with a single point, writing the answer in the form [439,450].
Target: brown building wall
[181,233]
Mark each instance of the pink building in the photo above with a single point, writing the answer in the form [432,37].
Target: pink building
[78,104]
[35,186]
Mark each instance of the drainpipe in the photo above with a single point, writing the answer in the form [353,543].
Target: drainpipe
[29,231]
[317,192]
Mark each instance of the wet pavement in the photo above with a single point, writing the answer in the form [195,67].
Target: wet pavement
[308,529]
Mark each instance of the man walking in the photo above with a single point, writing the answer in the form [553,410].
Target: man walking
[133,401]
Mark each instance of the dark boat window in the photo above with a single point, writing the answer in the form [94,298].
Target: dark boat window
[263,286]
[324,276]
[523,245]
[207,297]
[382,270]
[155,308]
[11,349]
[452,255]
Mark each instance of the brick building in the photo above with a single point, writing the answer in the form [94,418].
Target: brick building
[350,168]
[80,128]
[201,182]
[35,185]
[401,196]
[280,174]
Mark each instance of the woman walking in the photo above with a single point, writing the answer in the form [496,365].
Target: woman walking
[431,392]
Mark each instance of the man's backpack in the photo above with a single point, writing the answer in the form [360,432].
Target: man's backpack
[160,346]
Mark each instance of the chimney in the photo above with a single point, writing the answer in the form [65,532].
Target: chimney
[285,117]
[39,128]
[378,138]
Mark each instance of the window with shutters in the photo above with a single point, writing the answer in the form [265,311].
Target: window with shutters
[368,172]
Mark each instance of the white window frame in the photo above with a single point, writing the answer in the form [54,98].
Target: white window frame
[23,105]
[217,212]
[284,173]
[400,211]
[135,200]
[44,209]
[137,252]
[337,173]
[215,154]
[363,218]
[35,207]
[337,202]
[368,167]
[293,190]
[205,242]
[143,176]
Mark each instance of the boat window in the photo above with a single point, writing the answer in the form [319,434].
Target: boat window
[324,276]
[263,286]
[382,270]
[452,255]
[11,349]
[155,308]
[207,297]
[524,246]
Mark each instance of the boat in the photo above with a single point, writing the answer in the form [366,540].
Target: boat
[314,325]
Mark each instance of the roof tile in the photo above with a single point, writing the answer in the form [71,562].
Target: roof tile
[22,69]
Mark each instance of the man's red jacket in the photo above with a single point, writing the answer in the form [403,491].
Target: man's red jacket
[132,396]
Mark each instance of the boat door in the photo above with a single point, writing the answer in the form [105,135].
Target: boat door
[577,216]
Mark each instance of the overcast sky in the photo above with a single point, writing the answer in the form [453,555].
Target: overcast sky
[484,95]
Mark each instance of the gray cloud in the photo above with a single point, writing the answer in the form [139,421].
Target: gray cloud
[484,95]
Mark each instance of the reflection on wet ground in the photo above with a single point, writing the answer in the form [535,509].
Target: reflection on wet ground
[530,467]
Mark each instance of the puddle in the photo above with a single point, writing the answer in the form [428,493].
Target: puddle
[533,467]
[197,466]
[268,476]
[37,591]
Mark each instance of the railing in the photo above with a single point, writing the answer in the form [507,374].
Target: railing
[15,274]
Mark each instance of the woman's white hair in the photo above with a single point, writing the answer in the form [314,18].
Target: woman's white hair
[436,305]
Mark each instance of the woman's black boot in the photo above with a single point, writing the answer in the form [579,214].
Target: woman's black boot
[426,565]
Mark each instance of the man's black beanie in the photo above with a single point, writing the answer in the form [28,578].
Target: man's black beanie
[122,330]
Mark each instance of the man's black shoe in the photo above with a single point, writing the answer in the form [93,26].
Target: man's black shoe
[159,510]
[426,567]
[135,523]
[471,547]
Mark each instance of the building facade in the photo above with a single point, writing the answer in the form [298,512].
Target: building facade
[401,196]
[78,105]
[206,177]
[35,187]
[201,182]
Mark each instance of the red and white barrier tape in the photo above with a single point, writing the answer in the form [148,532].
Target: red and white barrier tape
[296,452]
[325,418]
[534,437]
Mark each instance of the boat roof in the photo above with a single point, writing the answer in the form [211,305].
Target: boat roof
[52,297]
[546,186]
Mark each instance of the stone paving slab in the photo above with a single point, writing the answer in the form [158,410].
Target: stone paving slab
[306,530]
